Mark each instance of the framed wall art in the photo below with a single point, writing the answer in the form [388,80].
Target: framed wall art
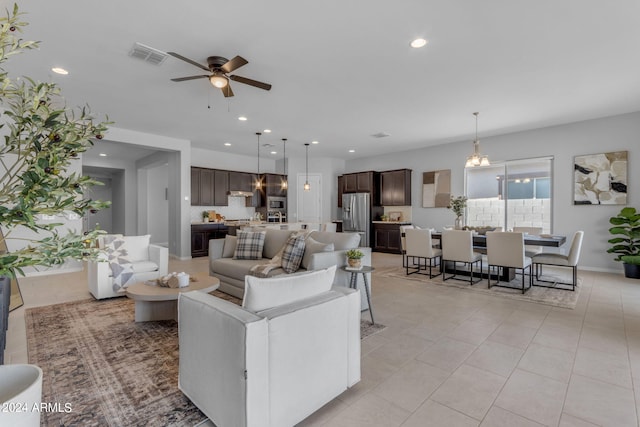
[436,188]
[600,179]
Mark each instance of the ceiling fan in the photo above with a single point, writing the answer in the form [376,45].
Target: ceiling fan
[219,68]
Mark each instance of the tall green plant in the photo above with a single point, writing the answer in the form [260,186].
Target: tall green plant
[627,225]
[41,139]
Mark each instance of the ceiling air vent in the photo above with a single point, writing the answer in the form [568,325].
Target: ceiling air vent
[380,135]
[148,54]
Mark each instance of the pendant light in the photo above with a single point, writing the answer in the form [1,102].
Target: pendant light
[284,164]
[476,159]
[307,187]
[258,180]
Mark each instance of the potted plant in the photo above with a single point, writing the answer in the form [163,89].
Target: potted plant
[205,216]
[354,258]
[626,225]
[458,205]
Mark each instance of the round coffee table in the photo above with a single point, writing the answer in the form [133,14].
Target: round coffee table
[160,303]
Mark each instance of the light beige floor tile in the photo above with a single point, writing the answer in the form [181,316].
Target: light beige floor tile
[567,420]
[558,337]
[356,392]
[495,357]
[548,361]
[603,366]
[376,370]
[528,319]
[371,343]
[433,414]
[533,396]
[469,390]
[400,350]
[600,403]
[411,385]
[473,331]
[606,340]
[370,411]
[513,335]
[498,417]
[447,354]
[432,329]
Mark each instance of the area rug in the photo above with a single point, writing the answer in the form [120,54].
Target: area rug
[549,296]
[110,370]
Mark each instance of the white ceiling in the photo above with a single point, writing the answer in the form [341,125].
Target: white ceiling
[342,70]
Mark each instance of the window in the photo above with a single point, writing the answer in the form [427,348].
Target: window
[510,194]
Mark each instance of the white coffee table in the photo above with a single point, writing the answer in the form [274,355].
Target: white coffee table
[160,303]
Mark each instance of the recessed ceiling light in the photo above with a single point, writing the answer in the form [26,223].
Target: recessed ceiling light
[267,131]
[274,152]
[418,43]
[59,70]
[227,144]
[315,142]
[103,155]
[242,118]
[352,151]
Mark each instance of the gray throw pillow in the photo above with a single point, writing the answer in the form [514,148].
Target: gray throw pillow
[249,245]
[312,246]
[229,247]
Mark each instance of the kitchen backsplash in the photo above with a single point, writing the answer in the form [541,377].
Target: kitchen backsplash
[235,210]
[404,211]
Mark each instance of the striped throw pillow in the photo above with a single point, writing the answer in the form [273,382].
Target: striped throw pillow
[249,245]
[292,253]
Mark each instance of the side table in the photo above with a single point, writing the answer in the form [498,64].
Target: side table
[353,283]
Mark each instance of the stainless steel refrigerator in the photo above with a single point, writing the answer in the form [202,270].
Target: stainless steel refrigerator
[356,215]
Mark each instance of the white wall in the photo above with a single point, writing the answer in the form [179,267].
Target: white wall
[617,133]
[234,162]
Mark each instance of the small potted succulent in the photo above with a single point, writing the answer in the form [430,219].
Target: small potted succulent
[626,226]
[354,258]
[205,216]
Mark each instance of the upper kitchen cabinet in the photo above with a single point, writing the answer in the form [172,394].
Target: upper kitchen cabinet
[241,181]
[360,182]
[350,182]
[202,187]
[395,188]
[274,185]
[340,189]
[195,186]
[221,188]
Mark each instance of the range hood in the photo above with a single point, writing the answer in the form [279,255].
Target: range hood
[237,193]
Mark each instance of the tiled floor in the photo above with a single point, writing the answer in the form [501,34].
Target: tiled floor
[455,358]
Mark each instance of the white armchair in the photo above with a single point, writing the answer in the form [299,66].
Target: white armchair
[148,261]
[271,367]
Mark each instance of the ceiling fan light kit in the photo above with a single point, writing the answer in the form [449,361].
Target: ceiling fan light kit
[477,159]
[220,68]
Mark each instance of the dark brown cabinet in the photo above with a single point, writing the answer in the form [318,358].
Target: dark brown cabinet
[340,190]
[395,188]
[195,186]
[201,234]
[386,238]
[350,183]
[220,188]
[274,185]
[240,181]
[364,182]
[206,187]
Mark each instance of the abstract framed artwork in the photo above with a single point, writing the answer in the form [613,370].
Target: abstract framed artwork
[600,179]
[436,189]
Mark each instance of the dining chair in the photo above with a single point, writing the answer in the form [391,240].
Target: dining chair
[570,259]
[457,246]
[506,250]
[421,252]
[530,250]
[403,244]
[329,226]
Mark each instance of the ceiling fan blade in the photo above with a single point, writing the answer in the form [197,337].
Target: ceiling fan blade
[226,91]
[255,83]
[177,55]
[234,64]
[182,79]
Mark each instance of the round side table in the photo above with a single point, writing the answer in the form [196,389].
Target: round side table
[353,283]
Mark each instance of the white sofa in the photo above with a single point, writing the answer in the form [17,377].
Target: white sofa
[232,272]
[149,262]
[268,368]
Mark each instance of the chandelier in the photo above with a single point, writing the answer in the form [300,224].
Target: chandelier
[476,159]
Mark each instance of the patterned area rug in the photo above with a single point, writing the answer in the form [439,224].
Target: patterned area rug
[549,296]
[110,369]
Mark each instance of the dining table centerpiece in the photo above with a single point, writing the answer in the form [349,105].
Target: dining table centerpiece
[458,205]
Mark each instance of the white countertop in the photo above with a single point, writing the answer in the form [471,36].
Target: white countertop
[392,222]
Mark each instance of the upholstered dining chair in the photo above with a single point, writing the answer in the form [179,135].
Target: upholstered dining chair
[457,246]
[421,252]
[570,259]
[506,250]
[329,226]
[403,242]
[530,250]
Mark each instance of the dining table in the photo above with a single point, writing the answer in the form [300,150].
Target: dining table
[480,245]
